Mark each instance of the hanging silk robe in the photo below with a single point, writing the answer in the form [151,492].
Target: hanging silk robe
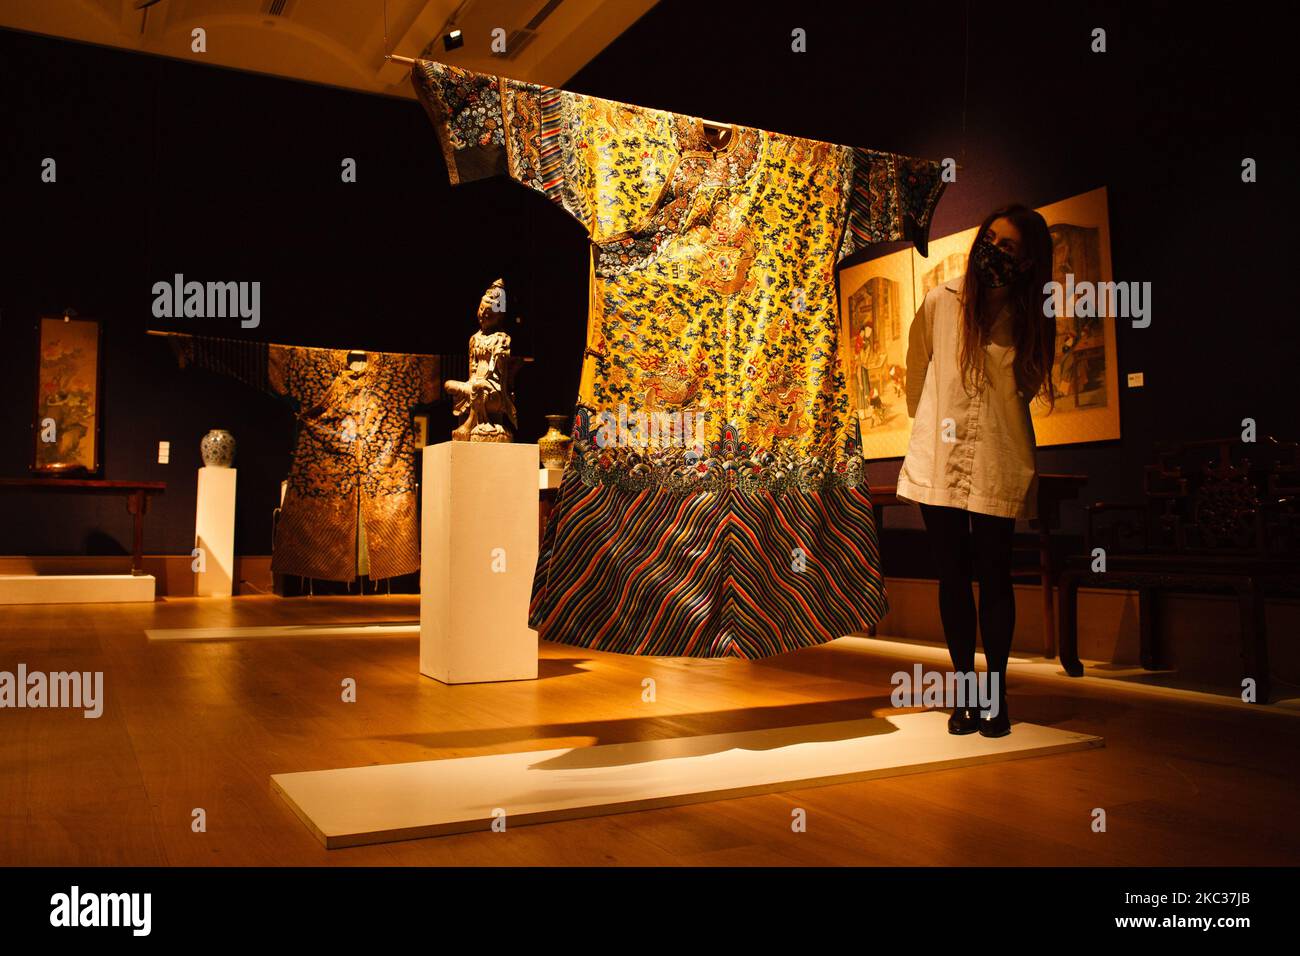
[748,531]
[350,507]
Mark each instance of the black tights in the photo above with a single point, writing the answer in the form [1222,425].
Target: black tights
[964,542]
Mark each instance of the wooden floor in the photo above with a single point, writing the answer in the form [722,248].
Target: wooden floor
[204,725]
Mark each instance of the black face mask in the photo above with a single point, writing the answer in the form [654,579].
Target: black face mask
[996,267]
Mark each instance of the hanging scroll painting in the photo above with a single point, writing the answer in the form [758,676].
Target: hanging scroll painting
[66,429]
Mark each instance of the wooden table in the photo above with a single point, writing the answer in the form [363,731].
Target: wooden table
[137,495]
[1052,490]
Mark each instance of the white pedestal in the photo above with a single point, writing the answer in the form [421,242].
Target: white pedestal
[76,588]
[478,552]
[549,478]
[214,532]
[409,801]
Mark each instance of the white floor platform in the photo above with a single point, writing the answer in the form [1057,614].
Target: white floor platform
[76,588]
[281,631]
[379,804]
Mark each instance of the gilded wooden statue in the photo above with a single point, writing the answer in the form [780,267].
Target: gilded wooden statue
[487,398]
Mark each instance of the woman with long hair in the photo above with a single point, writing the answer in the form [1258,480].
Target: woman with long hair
[980,349]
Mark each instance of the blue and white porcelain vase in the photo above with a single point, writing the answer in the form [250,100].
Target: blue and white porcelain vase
[218,448]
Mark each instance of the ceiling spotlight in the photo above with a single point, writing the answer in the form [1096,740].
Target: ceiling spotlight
[452,39]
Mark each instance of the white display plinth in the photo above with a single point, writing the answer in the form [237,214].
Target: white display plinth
[478,552]
[549,478]
[409,801]
[214,532]
[76,588]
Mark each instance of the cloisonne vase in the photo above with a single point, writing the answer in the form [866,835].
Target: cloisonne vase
[553,447]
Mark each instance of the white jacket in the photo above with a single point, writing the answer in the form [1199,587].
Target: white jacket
[975,452]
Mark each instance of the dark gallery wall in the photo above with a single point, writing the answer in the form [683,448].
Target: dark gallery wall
[167,167]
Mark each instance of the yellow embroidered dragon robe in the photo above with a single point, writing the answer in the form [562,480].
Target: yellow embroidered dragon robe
[716,501]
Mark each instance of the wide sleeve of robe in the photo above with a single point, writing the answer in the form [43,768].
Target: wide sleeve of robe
[892,199]
[604,163]
[243,361]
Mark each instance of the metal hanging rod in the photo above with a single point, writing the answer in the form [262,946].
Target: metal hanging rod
[408,61]
[712,124]
[190,335]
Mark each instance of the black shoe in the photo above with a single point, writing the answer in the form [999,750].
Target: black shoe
[963,721]
[998,726]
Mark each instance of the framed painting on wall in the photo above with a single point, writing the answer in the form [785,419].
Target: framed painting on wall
[66,430]
[876,310]
[1085,373]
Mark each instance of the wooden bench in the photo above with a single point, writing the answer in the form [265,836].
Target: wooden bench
[1220,515]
